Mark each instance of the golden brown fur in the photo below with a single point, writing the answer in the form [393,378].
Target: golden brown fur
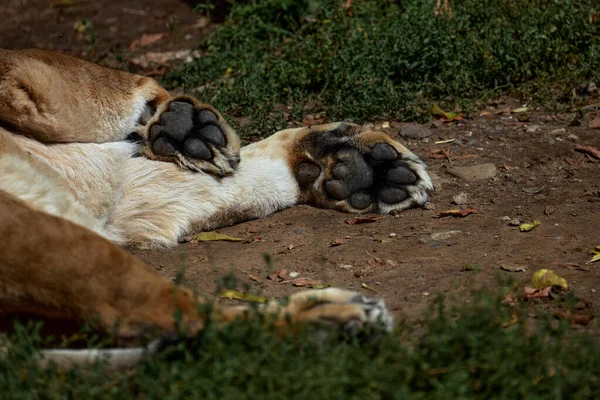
[70,189]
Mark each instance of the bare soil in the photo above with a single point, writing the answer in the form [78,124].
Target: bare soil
[539,177]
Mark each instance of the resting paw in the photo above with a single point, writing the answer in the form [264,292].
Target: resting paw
[353,169]
[195,136]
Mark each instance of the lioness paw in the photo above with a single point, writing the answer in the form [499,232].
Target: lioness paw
[336,309]
[195,136]
[353,169]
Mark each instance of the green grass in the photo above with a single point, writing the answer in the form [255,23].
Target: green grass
[463,352]
[390,59]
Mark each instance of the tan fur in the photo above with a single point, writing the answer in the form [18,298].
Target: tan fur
[69,187]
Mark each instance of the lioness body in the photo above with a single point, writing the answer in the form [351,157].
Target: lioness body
[64,162]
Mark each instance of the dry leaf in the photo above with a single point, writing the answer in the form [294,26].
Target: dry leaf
[361,220]
[254,278]
[589,150]
[514,268]
[532,293]
[596,257]
[247,297]
[595,123]
[547,278]
[444,116]
[579,319]
[457,213]
[520,110]
[211,237]
[528,226]
[365,286]
[336,242]
[146,40]
[306,282]
[279,275]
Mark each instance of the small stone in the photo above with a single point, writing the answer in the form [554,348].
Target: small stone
[592,88]
[514,222]
[429,206]
[293,274]
[425,294]
[573,137]
[291,246]
[559,131]
[422,240]
[473,173]
[532,128]
[415,131]
[506,218]
[345,266]
[391,263]
[439,236]
[460,199]
[392,235]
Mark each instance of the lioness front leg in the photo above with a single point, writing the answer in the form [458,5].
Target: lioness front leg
[348,167]
[56,98]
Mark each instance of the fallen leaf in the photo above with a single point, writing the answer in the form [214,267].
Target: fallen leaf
[146,40]
[596,256]
[446,116]
[547,278]
[336,242]
[532,293]
[528,226]
[254,278]
[510,300]
[595,123]
[457,213]
[306,282]
[575,266]
[279,275]
[361,220]
[574,163]
[574,318]
[211,237]
[514,268]
[247,297]
[589,150]
[533,190]
[365,286]
[520,110]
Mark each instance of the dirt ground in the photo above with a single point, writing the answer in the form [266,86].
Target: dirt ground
[406,258]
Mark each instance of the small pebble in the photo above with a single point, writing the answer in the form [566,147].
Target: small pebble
[514,222]
[392,235]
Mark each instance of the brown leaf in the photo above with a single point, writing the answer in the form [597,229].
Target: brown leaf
[305,282]
[336,242]
[532,293]
[595,123]
[361,220]
[279,275]
[254,278]
[573,162]
[574,266]
[574,318]
[146,40]
[589,150]
[457,213]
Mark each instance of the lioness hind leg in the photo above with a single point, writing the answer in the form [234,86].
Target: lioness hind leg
[193,135]
[354,169]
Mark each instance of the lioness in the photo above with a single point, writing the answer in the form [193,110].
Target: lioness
[73,188]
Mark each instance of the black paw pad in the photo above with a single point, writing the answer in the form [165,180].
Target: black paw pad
[401,175]
[184,128]
[383,152]
[308,173]
[350,175]
[360,200]
[392,195]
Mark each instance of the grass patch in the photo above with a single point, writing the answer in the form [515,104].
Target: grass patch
[462,352]
[389,59]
